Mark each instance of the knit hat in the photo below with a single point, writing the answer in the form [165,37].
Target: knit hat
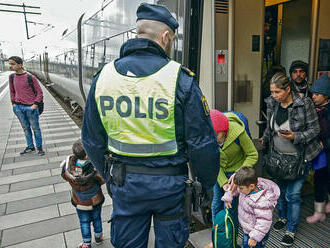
[321,85]
[219,120]
[299,64]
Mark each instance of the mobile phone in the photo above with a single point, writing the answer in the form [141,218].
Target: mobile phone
[284,131]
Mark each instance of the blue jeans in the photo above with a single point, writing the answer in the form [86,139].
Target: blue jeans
[218,205]
[289,202]
[85,219]
[260,244]
[29,118]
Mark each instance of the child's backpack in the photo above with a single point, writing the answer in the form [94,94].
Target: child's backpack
[223,231]
[243,118]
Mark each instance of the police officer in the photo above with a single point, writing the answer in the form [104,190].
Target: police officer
[148,112]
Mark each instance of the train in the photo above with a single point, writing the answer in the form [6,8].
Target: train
[231,45]
[95,42]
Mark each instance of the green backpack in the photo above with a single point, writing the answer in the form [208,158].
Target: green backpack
[223,231]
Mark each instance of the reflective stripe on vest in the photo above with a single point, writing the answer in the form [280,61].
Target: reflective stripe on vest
[138,112]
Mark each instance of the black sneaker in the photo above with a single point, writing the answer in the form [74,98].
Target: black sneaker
[279,225]
[27,150]
[40,151]
[288,239]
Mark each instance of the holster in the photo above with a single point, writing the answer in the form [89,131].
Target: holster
[196,198]
[188,198]
[114,171]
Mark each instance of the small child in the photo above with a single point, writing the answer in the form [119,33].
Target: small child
[87,194]
[321,94]
[257,199]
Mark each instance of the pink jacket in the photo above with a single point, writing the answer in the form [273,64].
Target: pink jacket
[255,211]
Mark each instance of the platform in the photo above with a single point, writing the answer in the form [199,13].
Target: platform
[35,207]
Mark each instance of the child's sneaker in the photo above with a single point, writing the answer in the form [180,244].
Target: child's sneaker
[99,240]
[279,225]
[85,245]
[288,239]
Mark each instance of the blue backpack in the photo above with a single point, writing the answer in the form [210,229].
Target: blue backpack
[223,231]
[243,118]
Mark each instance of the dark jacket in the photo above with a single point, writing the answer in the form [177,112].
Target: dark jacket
[194,131]
[303,121]
[86,189]
[324,119]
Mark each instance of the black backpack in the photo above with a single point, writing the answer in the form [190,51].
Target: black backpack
[29,77]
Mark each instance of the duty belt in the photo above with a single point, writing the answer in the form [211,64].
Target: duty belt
[181,169]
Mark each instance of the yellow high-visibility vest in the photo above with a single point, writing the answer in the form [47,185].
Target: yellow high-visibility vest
[138,112]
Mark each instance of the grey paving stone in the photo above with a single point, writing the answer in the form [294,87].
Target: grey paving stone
[8,160]
[56,172]
[37,230]
[25,194]
[51,241]
[68,143]
[16,165]
[25,177]
[47,143]
[5,173]
[64,153]
[38,202]
[57,159]
[60,187]
[200,239]
[36,168]
[28,217]
[2,209]
[36,183]
[19,140]
[4,189]
[34,156]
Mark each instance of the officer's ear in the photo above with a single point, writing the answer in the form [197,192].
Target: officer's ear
[165,37]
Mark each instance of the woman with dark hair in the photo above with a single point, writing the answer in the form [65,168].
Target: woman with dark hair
[292,123]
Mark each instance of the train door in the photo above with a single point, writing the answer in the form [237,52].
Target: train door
[287,37]
[287,32]
[231,56]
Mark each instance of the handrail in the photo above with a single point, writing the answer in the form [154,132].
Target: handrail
[81,87]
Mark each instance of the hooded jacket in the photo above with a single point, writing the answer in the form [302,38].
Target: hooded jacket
[255,211]
[232,155]
[86,189]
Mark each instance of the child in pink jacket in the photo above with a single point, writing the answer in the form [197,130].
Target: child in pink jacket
[257,199]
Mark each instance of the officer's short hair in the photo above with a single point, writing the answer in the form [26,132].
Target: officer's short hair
[78,149]
[245,176]
[152,29]
[17,59]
